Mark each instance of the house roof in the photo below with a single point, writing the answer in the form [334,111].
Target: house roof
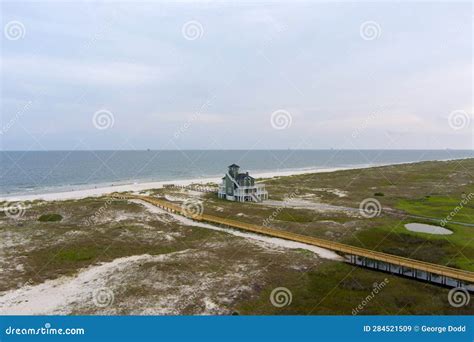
[234,165]
[242,176]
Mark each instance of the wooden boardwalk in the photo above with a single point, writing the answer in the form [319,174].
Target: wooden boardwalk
[429,268]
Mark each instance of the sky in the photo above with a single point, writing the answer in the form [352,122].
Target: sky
[82,75]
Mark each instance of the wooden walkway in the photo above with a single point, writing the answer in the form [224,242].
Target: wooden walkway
[444,271]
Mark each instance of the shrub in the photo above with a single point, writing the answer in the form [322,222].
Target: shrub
[293,215]
[75,254]
[50,218]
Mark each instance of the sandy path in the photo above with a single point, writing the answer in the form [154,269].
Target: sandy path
[266,240]
[303,204]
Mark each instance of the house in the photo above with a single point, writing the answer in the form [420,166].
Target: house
[241,187]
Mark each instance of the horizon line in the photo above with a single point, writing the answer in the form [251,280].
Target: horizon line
[242,149]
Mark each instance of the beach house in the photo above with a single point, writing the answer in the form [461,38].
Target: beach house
[241,187]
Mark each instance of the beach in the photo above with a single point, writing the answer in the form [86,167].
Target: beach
[60,253]
[136,187]
[64,175]
[101,190]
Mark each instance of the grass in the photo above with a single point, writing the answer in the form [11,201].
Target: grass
[396,182]
[75,254]
[431,189]
[391,236]
[50,218]
[439,207]
[318,287]
[338,289]
[295,215]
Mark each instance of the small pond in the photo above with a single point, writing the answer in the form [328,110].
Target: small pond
[427,228]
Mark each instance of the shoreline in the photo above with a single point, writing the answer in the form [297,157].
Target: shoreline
[100,191]
[143,186]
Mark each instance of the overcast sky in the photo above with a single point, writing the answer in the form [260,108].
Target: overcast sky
[88,75]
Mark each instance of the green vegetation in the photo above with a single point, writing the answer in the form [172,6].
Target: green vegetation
[76,254]
[428,190]
[50,218]
[295,215]
[338,289]
[440,207]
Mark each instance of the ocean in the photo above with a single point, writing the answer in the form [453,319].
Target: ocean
[33,172]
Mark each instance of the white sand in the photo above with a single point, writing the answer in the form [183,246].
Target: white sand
[78,194]
[337,192]
[58,296]
[268,241]
[297,203]
[95,192]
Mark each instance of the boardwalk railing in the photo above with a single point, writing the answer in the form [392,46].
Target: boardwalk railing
[444,271]
[194,187]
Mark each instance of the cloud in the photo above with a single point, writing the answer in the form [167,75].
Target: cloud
[133,60]
[74,72]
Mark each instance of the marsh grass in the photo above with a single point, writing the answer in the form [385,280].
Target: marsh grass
[432,189]
[50,218]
